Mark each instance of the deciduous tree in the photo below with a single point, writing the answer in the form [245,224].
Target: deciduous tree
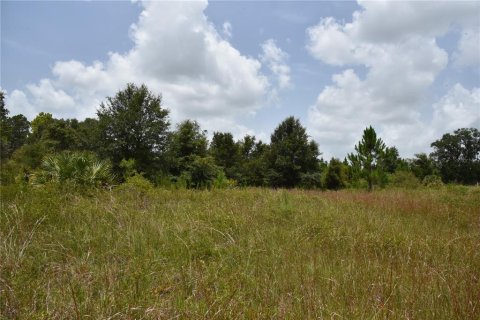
[457,156]
[186,143]
[133,125]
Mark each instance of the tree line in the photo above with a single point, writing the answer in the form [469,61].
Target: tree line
[132,136]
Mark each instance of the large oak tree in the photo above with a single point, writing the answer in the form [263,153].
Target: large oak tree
[133,125]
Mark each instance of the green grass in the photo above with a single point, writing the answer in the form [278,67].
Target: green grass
[239,254]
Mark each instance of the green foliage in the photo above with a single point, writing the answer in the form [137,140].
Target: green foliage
[311,180]
[368,155]
[252,168]
[133,125]
[14,134]
[457,156]
[226,153]
[128,168]
[390,159]
[132,133]
[291,154]
[13,131]
[41,122]
[23,162]
[3,110]
[222,182]
[432,181]
[404,179]
[57,134]
[186,144]
[138,183]
[74,168]
[422,165]
[335,176]
[201,173]
[30,155]
[88,136]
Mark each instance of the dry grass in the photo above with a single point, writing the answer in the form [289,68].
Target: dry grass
[253,253]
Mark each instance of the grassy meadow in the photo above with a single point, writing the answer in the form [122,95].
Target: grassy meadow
[134,253]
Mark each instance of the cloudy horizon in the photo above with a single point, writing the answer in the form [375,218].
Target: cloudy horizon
[409,69]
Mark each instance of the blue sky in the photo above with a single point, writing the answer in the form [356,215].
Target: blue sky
[410,69]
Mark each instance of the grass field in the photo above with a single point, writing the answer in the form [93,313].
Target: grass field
[240,254]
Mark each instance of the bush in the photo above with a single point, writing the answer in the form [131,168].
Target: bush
[128,168]
[404,179]
[222,182]
[137,182]
[74,168]
[23,162]
[201,173]
[335,177]
[164,181]
[359,184]
[432,181]
[311,180]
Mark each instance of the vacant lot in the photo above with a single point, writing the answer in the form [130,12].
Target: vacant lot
[251,253]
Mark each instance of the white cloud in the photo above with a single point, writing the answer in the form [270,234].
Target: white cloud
[227,29]
[396,43]
[330,42]
[468,52]
[276,60]
[19,100]
[49,98]
[459,108]
[177,52]
[391,21]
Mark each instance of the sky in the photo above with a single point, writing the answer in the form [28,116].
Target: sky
[409,69]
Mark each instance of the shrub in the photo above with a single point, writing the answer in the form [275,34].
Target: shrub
[432,181]
[335,177]
[76,168]
[311,180]
[222,182]
[404,179]
[128,168]
[359,184]
[137,182]
[201,173]
[164,180]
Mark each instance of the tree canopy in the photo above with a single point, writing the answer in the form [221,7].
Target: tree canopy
[133,125]
[186,143]
[457,156]
[132,132]
[369,152]
[226,152]
[291,154]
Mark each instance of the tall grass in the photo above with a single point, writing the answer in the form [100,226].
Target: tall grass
[252,253]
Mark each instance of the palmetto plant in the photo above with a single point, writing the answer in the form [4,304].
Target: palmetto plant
[78,168]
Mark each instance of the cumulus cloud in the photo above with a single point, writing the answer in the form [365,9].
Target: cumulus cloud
[276,60]
[19,100]
[177,52]
[330,42]
[396,43]
[460,107]
[390,21]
